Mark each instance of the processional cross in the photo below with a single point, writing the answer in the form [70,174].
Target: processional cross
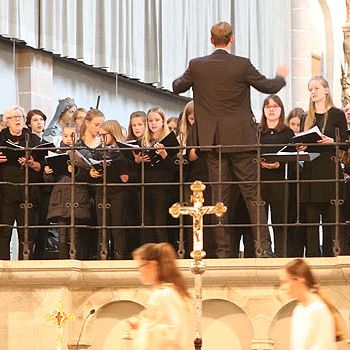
[197,211]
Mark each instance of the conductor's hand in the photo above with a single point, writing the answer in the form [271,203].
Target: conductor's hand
[282,71]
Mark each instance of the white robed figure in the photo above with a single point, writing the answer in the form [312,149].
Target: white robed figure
[165,324]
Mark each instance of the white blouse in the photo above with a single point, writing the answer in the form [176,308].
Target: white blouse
[165,323]
[313,327]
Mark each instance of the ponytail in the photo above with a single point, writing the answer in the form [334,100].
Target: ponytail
[339,330]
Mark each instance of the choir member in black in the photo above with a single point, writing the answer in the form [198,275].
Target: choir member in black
[296,234]
[35,121]
[346,165]
[296,119]
[196,169]
[136,130]
[156,170]
[13,195]
[59,208]
[88,144]
[318,197]
[79,116]
[116,196]
[274,131]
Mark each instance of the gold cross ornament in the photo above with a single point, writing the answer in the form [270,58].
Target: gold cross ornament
[59,317]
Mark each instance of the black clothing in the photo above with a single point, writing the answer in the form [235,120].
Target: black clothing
[221,93]
[275,195]
[319,196]
[13,195]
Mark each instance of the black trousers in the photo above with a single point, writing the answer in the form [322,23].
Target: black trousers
[313,213]
[10,213]
[238,214]
[156,209]
[274,196]
[115,216]
[239,166]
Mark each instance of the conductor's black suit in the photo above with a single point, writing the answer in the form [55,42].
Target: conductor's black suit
[221,90]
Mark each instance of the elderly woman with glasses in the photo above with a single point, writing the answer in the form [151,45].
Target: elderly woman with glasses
[13,166]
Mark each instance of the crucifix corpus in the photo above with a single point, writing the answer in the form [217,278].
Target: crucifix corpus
[197,211]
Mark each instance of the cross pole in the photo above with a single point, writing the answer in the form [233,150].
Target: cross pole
[197,211]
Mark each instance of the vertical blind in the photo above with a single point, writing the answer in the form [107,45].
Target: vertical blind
[148,40]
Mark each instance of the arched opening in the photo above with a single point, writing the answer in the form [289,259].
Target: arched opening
[225,326]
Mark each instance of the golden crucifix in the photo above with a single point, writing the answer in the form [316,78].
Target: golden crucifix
[197,211]
[59,317]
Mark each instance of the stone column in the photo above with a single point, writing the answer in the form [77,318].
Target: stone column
[262,344]
[34,70]
[301,52]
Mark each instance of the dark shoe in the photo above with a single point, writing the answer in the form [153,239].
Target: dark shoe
[268,254]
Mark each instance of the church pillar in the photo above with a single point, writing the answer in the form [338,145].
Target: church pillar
[262,344]
[34,69]
[301,52]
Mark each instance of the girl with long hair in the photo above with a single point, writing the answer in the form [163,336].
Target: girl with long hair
[315,321]
[137,125]
[136,130]
[157,169]
[116,196]
[165,323]
[319,196]
[89,146]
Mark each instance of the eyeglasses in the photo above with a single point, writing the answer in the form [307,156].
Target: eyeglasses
[17,117]
[273,107]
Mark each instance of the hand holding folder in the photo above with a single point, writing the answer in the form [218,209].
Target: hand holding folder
[58,162]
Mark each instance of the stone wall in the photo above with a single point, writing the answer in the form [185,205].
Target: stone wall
[242,308]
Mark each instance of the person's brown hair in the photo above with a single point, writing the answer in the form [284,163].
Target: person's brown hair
[184,123]
[136,114]
[32,113]
[114,129]
[298,268]
[76,113]
[263,122]
[165,255]
[148,136]
[91,114]
[221,33]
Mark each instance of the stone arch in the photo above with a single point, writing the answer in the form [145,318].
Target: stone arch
[225,325]
[104,296]
[280,326]
[107,329]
